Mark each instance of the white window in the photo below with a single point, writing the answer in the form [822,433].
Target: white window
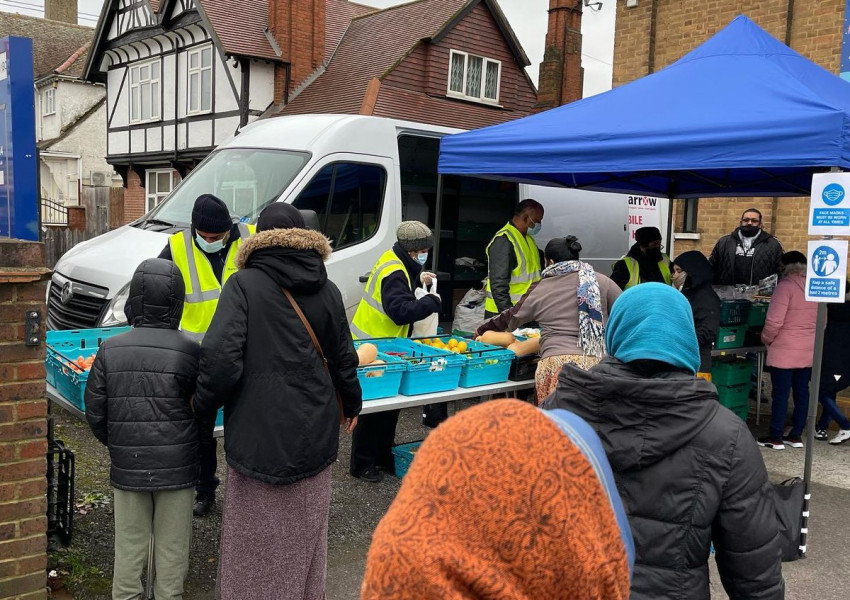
[145,92]
[160,182]
[48,102]
[200,80]
[474,77]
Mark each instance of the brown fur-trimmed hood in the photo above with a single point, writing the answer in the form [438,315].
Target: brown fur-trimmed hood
[294,239]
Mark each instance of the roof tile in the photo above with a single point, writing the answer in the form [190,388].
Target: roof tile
[242,34]
[54,43]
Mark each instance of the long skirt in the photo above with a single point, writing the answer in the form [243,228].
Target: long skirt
[546,375]
[274,538]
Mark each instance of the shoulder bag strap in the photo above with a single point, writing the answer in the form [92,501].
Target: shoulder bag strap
[318,347]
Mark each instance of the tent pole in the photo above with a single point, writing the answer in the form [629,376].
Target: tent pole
[814,389]
[438,216]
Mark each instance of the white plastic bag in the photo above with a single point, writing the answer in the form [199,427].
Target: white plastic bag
[469,313]
[428,325]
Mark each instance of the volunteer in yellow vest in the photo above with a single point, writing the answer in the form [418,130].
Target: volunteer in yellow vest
[513,260]
[388,309]
[205,255]
[644,262]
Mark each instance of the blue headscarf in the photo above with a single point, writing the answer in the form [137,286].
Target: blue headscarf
[653,321]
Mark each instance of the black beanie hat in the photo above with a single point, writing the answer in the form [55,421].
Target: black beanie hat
[646,235]
[280,215]
[211,215]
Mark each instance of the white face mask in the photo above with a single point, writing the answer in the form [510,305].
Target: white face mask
[422,258]
[210,247]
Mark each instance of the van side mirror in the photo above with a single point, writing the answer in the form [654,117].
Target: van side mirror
[311,219]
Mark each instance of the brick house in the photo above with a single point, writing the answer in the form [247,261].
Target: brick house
[654,33]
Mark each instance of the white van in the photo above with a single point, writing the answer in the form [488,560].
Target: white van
[361,176]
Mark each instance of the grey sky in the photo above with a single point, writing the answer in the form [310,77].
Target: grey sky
[527,18]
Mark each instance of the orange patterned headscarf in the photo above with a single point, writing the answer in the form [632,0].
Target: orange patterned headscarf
[498,504]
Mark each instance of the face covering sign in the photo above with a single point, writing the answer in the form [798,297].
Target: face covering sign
[644,211]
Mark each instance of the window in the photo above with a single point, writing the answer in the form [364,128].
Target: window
[48,102]
[474,77]
[200,80]
[690,208]
[346,198]
[145,92]
[160,182]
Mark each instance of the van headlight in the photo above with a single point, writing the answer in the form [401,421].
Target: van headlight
[114,315]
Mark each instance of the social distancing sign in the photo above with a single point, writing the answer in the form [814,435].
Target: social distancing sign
[826,275]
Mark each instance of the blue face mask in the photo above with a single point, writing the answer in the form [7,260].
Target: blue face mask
[535,229]
[422,258]
[209,247]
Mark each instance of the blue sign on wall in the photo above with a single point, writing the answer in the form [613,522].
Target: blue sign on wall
[18,161]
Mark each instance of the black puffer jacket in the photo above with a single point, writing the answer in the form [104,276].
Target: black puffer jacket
[766,252]
[705,303]
[281,421]
[137,394]
[689,473]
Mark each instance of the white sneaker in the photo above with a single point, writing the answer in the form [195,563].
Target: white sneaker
[842,436]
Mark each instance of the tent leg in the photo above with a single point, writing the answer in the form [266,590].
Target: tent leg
[814,389]
[438,217]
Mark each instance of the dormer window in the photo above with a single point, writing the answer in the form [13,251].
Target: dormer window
[474,77]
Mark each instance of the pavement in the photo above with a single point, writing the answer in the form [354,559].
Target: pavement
[357,507]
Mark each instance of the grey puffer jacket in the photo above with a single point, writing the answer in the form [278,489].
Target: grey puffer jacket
[137,394]
[689,473]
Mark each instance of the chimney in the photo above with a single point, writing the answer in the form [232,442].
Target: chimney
[561,75]
[298,27]
[61,10]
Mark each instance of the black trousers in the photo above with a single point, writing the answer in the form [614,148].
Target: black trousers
[372,441]
[207,481]
[435,414]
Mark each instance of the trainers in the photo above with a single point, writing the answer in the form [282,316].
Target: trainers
[793,440]
[203,504]
[370,474]
[821,435]
[842,436]
[771,443]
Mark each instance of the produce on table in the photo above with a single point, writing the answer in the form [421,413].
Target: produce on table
[82,364]
[367,353]
[529,346]
[497,338]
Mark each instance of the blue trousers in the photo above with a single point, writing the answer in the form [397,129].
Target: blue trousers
[830,412]
[784,381]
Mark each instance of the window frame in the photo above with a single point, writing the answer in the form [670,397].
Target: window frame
[48,99]
[690,213]
[482,99]
[138,85]
[199,70]
[149,196]
[329,201]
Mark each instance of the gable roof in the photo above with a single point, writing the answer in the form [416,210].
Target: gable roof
[376,42]
[338,15]
[57,47]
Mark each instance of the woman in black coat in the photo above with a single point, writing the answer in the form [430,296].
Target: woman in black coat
[281,419]
[692,276]
[835,370]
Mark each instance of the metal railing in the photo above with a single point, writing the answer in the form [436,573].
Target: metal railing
[53,212]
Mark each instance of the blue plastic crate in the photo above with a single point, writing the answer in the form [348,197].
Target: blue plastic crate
[381,381]
[63,348]
[428,369]
[484,364]
[403,456]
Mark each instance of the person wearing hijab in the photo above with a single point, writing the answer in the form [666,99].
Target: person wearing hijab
[688,470]
[504,501]
[281,415]
[570,331]
[692,276]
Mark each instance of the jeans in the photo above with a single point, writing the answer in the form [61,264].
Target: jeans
[830,411]
[784,381]
[207,481]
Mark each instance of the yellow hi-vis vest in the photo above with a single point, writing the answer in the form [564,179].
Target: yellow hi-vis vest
[527,269]
[202,288]
[370,320]
[634,270]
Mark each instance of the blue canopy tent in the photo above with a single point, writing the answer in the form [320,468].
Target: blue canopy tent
[740,115]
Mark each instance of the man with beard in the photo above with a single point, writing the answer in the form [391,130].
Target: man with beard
[747,255]
[644,262]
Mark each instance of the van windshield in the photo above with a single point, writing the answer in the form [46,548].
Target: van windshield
[246,179]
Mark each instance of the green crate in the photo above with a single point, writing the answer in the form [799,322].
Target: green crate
[758,313]
[730,336]
[731,372]
[736,398]
[734,312]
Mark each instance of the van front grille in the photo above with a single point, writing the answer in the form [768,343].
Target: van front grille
[81,310]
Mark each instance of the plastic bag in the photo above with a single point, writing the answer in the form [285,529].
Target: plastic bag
[427,327]
[469,313]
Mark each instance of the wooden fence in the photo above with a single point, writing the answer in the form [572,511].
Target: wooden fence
[58,238]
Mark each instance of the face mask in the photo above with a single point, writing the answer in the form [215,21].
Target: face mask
[749,230]
[422,258]
[653,254]
[209,247]
[679,279]
[534,229]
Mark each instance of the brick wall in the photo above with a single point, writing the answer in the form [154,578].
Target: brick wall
[134,197]
[561,74]
[814,30]
[23,425]
[299,29]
